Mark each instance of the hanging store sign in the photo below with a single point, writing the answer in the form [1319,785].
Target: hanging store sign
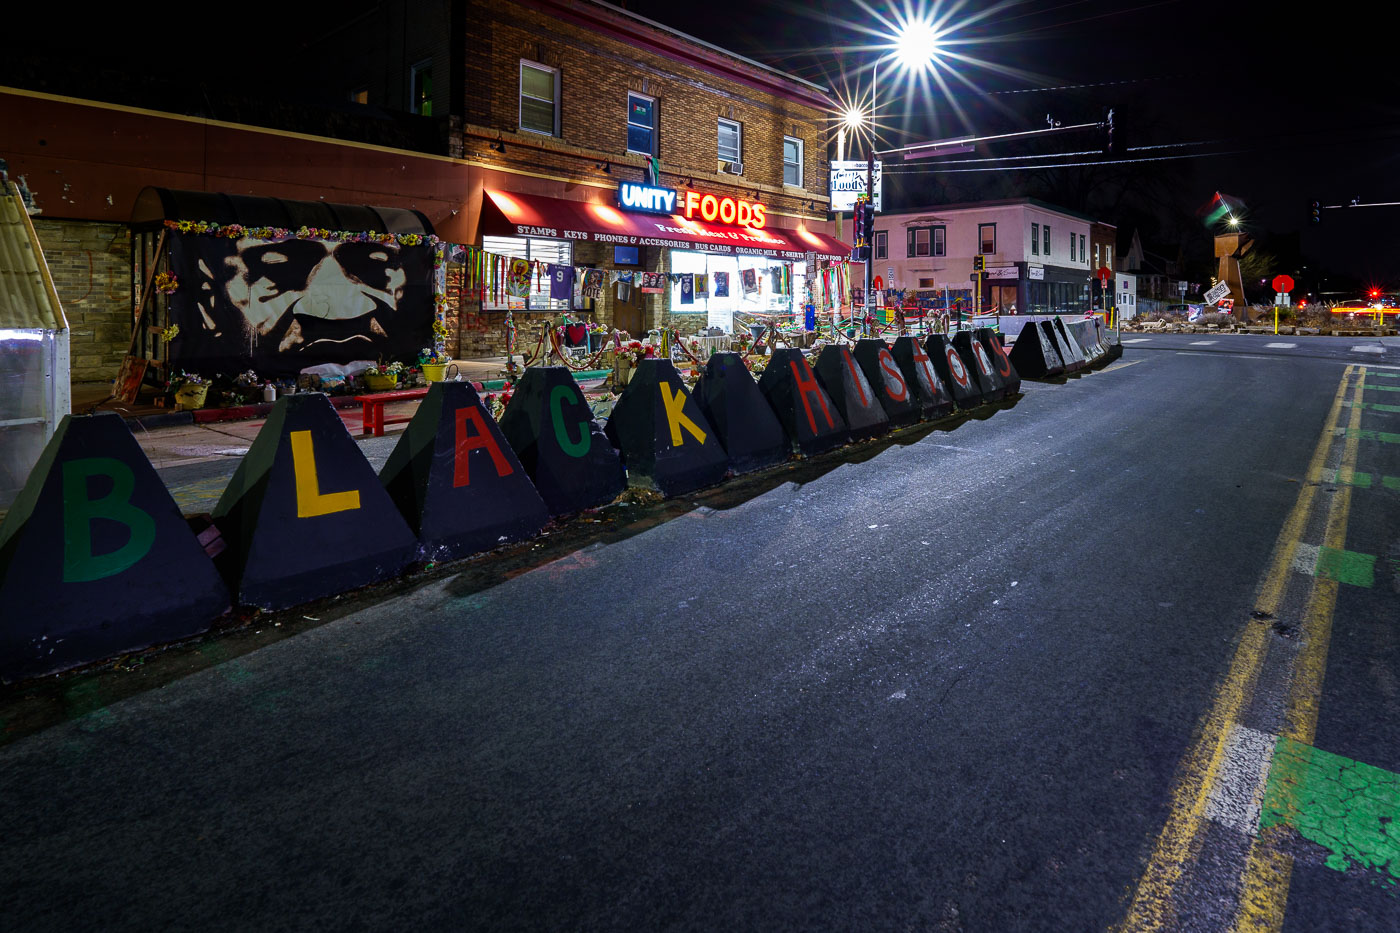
[1003,272]
[694,205]
[848,181]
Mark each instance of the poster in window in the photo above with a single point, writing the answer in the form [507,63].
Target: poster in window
[518,279]
[653,283]
[592,288]
[721,284]
[748,278]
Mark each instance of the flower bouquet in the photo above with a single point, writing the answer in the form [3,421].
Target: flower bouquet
[383,376]
[191,390]
[434,364]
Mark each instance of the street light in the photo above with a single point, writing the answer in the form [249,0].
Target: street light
[914,46]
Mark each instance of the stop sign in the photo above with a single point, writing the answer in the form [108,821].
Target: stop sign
[1104,273]
[1283,283]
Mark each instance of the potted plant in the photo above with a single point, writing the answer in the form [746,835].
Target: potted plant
[383,376]
[190,389]
[434,364]
[628,356]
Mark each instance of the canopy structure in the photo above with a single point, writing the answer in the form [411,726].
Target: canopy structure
[155,205]
[509,214]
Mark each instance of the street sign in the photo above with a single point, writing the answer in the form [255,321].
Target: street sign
[848,180]
[1283,283]
[1217,291]
[1181,287]
[1104,273]
[1282,299]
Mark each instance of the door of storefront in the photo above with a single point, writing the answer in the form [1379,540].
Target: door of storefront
[627,313]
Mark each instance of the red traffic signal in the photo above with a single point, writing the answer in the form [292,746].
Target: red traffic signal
[1375,293]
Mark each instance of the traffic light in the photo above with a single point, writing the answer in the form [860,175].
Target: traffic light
[1316,207]
[865,223]
[979,263]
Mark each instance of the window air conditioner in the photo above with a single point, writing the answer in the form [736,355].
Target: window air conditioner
[732,168]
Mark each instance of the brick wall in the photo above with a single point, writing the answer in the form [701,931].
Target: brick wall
[596,72]
[91,268]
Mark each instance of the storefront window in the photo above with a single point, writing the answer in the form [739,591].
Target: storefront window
[558,252]
[1038,294]
[777,287]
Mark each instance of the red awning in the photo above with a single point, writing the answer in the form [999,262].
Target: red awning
[509,214]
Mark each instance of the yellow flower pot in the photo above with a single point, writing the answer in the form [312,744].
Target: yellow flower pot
[378,382]
[435,372]
[190,397]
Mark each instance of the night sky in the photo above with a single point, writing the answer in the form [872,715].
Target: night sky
[1264,106]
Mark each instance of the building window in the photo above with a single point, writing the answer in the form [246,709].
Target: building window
[1096,255]
[940,241]
[641,124]
[359,95]
[792,161]
[1047,239]
[881,244]
[927,241]
[420,88]
[986,239]
[1108,256]
[1081,247]
[1035,239]
[533,249]
[730,141]
[539,98]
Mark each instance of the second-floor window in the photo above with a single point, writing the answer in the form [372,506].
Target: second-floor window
[1108,256]
[730,141]
[881,244]
[986,239]
[1035,239]
[539,98]
[420,88]
[641,124]
[1096,255]
[1046,241]
[926,241]
[792,161]
[1081,247]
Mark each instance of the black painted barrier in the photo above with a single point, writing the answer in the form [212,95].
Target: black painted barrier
[931,395]
[1070,347]
[855,398]
[1001,360]
[456,480]
[664,437]
[551,428]
[806,412]
[95,558]
[975,358]
[876,361]
[1034,354]
[967,392]
[747,427]
[1086,334]
[305,516]
[1052,335]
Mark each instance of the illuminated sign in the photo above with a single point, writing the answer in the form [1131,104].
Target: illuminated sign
[646,198]
[711,208]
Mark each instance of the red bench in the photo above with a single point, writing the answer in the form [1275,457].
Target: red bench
[374,419]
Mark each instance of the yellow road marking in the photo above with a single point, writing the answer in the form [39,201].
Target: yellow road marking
[1181,837]
[1268,871]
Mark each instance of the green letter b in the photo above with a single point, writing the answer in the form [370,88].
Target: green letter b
[80,565]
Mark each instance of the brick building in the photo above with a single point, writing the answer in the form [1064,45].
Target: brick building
[551,103]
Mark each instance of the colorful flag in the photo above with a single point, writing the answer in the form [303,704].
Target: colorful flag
[518,279]
[687,288]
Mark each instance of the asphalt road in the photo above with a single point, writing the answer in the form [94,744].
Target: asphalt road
[947,687]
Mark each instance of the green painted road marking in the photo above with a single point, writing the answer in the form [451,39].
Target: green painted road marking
[1381,436]
[1376,372]
[1342,805]
[1359,480]
[1373,406]
[1390,482]
[1346,566]
[1382,388]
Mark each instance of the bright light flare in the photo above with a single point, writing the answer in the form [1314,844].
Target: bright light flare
[854,118]
[916,45]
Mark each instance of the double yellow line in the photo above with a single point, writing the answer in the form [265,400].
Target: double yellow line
[1265,888]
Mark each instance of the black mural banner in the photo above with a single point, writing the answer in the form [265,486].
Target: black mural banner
[280,306]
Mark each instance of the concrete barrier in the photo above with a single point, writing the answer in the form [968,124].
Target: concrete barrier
[456,481]
[853,394]
[975,358]
[1075,360]
[933,398]
[551,429]
[967,392]
[876,361]
[746,425]
[991,342]
[1086,335]
[305,516]
[806,412]
[1035,355]
[95,558]
[665,439]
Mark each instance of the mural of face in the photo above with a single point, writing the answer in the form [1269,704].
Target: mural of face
[315,299]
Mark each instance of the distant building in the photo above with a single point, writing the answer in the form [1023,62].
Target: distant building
[1037,255]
